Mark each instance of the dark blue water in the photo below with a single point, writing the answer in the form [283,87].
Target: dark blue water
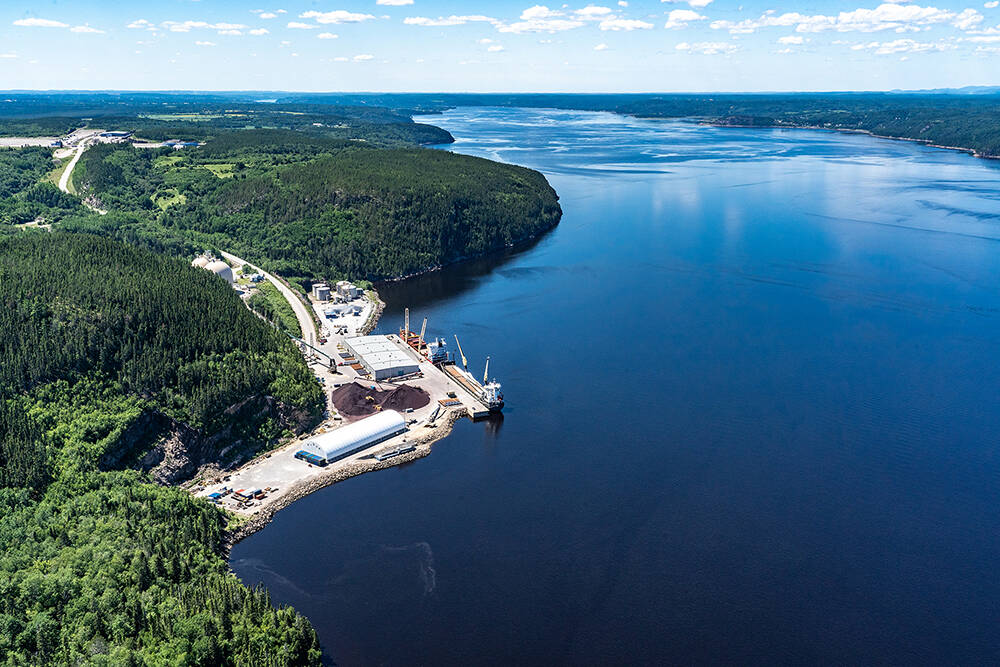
[753,417]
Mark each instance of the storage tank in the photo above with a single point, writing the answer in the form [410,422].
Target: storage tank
[200,261]
[348,439]
[222,270]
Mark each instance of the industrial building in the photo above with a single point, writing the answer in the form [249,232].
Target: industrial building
[346,440]
[343,310]
[381,357]
[216,266]
[221,269]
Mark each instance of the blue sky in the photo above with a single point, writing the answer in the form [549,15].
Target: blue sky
[430,45]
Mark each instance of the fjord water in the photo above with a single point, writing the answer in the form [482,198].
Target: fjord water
[752,383]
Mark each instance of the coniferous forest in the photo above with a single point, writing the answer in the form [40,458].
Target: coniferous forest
[97,566]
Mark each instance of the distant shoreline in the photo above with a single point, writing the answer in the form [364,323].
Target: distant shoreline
[847,130]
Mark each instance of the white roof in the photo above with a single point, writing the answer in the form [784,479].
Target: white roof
[378,352]
[346,439]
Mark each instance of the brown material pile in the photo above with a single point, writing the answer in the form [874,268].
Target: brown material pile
[351,400]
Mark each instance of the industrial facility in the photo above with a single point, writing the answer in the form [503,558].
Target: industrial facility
[349,291]
[334,445]
[381,357]
[321,292]
[216,266]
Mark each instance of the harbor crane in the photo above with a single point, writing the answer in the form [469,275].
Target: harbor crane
[423,330]
[486,373]
[465,362]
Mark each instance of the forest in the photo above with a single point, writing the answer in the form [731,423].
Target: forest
[97,565]
[317,209]
[25,195]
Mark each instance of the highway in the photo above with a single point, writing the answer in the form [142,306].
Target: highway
[306,322]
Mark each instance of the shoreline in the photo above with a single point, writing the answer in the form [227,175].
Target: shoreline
[846,130]
[262,515]
[307,487]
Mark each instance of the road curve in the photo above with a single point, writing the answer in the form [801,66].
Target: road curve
[306,322]
[64,179]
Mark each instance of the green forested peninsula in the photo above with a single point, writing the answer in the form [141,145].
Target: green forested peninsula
[319,210]
[98,566]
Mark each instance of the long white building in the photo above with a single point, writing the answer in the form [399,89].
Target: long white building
[346,440]
[381,357]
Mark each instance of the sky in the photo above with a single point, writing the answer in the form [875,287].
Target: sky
[498,46]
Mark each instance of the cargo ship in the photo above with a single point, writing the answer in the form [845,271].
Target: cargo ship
[489,392]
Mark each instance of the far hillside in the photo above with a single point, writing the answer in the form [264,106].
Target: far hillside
[311,208]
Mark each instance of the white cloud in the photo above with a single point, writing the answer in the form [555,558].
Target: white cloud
[593,12]
[992,5]
[231,33]
[679,18]
[791,39]
[7,55]
[40,23]
[188,26]
[699,4]
[448,20]
[887,16]
[623,3]
[141,24]
[707,48]
[902,46]
[496,48]
[327,35]
[267,15]
[601,47]
[394,3]
[86,29]
[336,16]
[624,24]
[540,18]
[363,57]
[298,25]
[340,59]
[484,40]
[260,31]
[205,43]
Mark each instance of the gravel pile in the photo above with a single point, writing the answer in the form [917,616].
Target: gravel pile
[352,400]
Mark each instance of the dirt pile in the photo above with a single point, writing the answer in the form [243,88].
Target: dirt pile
[355,400]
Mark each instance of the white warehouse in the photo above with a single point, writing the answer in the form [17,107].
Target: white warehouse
[346,440]
[381,357]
